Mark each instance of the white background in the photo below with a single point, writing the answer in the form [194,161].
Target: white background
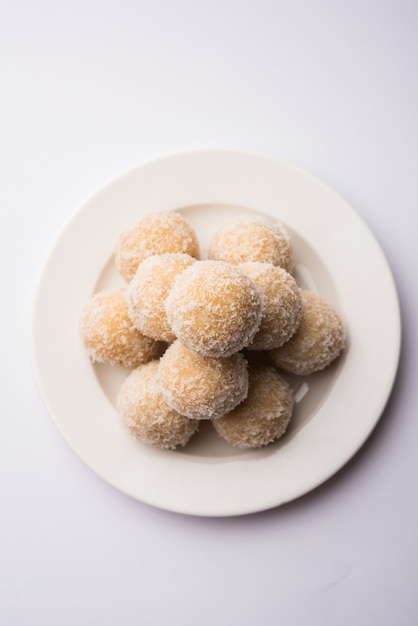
[90,89]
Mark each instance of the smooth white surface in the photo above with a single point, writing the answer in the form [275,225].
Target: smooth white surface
[340,406]
[91,89]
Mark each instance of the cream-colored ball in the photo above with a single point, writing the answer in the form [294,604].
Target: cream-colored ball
[202,387]
[249,238]
[263,416]
[145,413]
[214,308]
[148,290]
[157,233]
[318,341]
[282,304]
[109,335]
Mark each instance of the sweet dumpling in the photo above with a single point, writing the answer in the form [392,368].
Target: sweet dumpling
[263,416]
[318,341]
[214,308]
[157,233]
[250,238]
[109,335]
[145,413]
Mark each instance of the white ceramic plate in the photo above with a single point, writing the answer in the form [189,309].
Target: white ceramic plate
[336,256]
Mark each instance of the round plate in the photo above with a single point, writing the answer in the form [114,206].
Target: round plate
[336,256]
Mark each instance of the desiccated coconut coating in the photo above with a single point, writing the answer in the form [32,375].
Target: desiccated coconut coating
[202,387]
[214,308]
[319,339]
[148,290]
[249,238]
[264,415]
[143,410]
[109,335]
[158,233]
[282,304]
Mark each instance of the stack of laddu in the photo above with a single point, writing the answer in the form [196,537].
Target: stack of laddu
[192,331]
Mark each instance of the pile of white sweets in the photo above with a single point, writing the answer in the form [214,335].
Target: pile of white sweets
[208,339]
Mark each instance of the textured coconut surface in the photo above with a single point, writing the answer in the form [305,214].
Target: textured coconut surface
[214,308]
[202,387]
[109,335]
[264,415]
[248,238]
[157,233]
[318,341]
[145,413]
[148,291]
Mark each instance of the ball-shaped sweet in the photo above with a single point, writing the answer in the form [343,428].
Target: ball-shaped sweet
[157,233]
[318,341]
[148,290]
[145,413]
[202,387]
[282,304]
[250,238]
[264,415]
[109,335]
[214,308]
